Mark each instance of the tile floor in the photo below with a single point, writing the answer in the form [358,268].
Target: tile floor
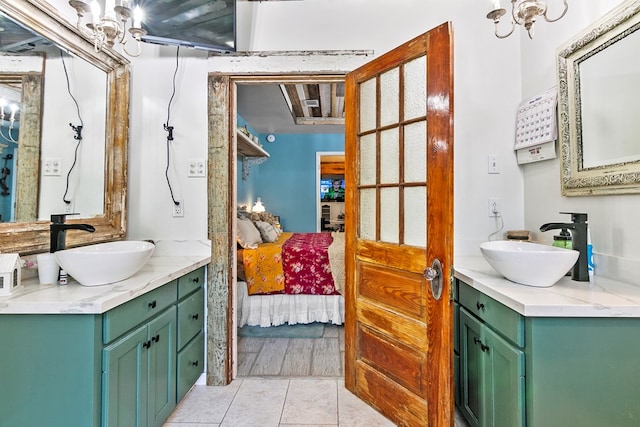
[275,401]
[265,402]
[282,382]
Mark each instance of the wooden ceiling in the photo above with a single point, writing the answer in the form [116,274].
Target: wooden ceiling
[315,103]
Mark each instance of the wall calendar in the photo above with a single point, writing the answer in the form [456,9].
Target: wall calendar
[536,121]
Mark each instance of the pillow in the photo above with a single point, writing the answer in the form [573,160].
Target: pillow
[267,231]
[248,235]
[267,217]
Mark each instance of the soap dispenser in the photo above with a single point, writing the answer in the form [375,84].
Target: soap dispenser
[563,240]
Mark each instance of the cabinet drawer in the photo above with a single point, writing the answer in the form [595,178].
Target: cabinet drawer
[190,317]
[190,365]
[501,318]
[128,315]
[190,282]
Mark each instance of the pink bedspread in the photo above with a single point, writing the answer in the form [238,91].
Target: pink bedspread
[305,262]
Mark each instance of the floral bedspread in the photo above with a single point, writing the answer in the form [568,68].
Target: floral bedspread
[306,265]
[297,263]
[263,267]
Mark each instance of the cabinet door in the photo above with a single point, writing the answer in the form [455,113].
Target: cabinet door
[124,380]
[162,367]
[503,382]
[471,368]
[491,377]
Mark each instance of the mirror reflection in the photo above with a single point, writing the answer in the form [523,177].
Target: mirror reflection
[609,86]
[598,82]
[46,164]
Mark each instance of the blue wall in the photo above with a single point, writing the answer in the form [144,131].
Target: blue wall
[286,181]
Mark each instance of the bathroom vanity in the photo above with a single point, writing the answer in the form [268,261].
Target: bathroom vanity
[558,356]
[117,354]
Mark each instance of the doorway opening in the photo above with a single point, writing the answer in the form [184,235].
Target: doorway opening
[283,354]
[226,71]
[330,208]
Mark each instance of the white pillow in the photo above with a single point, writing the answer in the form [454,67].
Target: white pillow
[248,235]
[267,231]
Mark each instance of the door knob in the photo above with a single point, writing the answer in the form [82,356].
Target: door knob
[433,274]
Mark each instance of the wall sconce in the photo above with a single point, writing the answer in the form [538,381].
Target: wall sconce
[523,12]
[258,206]
[111,27]
[12,119]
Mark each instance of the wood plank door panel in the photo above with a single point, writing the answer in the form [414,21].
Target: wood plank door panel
[399,158]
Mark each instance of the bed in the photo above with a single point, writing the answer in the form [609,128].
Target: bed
[286,277]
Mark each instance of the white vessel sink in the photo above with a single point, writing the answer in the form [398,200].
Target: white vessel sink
[527,263]
[105,263]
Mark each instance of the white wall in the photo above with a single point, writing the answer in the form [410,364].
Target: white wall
[150,200]
[612,219]
[59,109]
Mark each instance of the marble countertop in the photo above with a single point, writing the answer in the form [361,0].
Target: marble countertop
[567,298]
[170,260]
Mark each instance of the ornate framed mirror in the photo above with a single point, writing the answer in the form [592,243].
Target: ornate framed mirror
[598,106]
[33,236]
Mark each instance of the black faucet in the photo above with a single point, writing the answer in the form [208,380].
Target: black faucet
[578,227]
[58,230]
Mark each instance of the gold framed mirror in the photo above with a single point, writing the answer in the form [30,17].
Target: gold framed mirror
[598,106]
[33,236]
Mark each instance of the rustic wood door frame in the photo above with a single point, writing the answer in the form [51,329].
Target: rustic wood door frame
[225,72]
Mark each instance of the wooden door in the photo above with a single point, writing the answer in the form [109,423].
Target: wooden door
[399,154]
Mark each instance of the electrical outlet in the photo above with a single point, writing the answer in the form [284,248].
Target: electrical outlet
[68,208]
[494,207]
[178,210]
[197,168]
[52,166]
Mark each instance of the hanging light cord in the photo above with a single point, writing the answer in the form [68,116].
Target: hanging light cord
[76,129]
[169,129]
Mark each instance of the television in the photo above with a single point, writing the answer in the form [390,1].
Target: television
[330,194]
[200,24]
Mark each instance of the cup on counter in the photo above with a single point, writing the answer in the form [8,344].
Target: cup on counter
[47,269]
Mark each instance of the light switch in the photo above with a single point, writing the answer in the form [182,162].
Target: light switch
[52,167]
[492,164]
[197,168]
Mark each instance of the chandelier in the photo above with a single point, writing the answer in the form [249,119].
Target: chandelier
[111,27]
[523,12]
[12,119]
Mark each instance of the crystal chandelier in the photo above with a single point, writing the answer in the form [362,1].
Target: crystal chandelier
[523,12]
[111,27]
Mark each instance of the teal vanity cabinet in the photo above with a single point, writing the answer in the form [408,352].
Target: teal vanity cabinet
[558,371]
[121,367]
[138,368]
[190,361]
[491,372]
